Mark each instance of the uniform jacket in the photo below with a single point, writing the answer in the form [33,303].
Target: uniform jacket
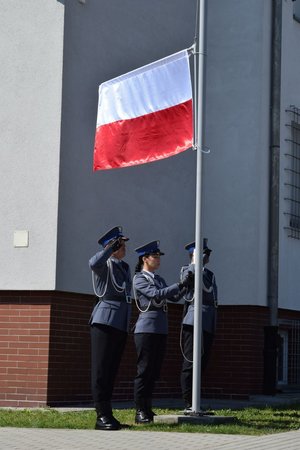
[112,308]
[209,300]
[151,294]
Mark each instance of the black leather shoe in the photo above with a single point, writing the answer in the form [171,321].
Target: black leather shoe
[142,417]
[187,410]
[151,414]
[107,423]
[148,408]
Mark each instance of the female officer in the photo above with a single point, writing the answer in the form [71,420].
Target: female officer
[209,305]
[151,294]
[109,322]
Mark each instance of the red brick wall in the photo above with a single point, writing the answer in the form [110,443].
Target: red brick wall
[45,351]
[24,346]
[69,349]
[45,348]
[236,366]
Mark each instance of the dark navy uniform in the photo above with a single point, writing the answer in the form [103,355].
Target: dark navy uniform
[209,304]
[109,323]
[151,293]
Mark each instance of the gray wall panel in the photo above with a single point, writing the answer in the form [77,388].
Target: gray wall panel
[31,47]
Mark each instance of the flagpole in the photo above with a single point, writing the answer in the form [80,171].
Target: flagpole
[199,99]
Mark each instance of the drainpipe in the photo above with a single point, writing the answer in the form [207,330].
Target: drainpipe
[271,331]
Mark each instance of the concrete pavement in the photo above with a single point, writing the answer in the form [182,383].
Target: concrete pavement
[57,439]
[62,439]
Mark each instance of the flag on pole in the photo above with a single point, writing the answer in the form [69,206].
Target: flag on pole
[145,115]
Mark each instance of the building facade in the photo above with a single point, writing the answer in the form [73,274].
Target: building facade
[54,207]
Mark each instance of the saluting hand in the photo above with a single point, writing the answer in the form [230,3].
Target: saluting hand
[116,244]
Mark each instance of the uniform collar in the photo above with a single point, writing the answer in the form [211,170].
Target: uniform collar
[152,274]
[115,260]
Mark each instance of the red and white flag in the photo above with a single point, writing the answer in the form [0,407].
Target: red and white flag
[145,115]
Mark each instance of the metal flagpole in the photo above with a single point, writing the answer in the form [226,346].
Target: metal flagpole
[199,61]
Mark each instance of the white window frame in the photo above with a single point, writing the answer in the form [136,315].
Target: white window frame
[296,10]
[284,334]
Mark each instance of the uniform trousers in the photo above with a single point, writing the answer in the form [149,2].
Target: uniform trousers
[150,348]
[187,366]
[107,346]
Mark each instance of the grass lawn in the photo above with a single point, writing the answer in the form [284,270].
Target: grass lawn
[251,421]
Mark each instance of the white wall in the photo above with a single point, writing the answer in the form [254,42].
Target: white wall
[236,171]
[157,201]
[31,38]
[289,248]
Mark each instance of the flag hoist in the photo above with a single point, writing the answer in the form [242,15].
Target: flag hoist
[148,114]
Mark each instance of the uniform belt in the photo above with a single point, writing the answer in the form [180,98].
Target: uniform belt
[209,302]
[164,308]
[204,302]
[116,298]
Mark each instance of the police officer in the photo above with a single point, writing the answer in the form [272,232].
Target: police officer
[109,321]
[151,293]
[209,305]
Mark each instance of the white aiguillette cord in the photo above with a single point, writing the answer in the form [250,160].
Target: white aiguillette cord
[110,273]
[152,301]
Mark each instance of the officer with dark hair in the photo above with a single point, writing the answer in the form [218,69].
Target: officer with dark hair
[209,305]
[151,293]
[109,322]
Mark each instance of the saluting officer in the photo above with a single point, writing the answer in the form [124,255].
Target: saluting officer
[109,321]
[209,305]
[151,293]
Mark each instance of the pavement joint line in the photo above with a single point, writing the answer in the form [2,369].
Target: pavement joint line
[59,439]
[67,439]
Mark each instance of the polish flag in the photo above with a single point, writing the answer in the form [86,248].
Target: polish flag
[145,115]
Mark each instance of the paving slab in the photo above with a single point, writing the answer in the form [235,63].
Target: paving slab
[62,439]
[58,439]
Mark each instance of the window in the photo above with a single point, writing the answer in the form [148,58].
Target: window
[296,14]
[289,353]
[292,170]
[283,357]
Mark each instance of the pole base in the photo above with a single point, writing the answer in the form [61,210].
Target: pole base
[195,419]
[200,413]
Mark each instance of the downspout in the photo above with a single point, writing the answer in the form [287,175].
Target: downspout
[271,331]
